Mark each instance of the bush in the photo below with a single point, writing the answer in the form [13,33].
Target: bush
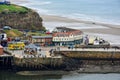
[23,12]
[3,12]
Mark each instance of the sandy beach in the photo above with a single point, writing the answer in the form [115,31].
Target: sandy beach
[52,18]
[111,28]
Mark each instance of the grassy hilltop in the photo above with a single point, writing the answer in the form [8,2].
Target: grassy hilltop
[13,9]
[19,17]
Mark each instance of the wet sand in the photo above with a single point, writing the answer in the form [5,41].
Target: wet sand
[52,18]
[111,28]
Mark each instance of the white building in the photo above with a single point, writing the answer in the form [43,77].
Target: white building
[66,36]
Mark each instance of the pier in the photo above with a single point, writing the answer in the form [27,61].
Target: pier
[40,61]
[90,49]
[95,53]
[95,60]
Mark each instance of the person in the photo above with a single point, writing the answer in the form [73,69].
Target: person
[58,48]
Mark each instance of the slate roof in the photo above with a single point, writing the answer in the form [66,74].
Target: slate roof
[41,37]
[31,46]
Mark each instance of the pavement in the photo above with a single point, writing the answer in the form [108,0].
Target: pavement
[45,51]
[90,49]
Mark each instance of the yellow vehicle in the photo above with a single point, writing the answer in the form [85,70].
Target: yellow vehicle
[16,45]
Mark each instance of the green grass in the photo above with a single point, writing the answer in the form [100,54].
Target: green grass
[13,33]
[19,33]
[36,34]
[13,9]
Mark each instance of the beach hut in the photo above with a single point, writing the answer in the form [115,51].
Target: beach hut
[1,50]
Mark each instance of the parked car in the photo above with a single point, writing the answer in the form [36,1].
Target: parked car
[7,28]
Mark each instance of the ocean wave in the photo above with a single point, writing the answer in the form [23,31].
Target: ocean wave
[98,19]
[83,17]
[39,10]
[33,4]
[44,3]
[39,3]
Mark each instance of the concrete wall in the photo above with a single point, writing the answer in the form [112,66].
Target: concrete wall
[38,63]
[91,61]
[91,54]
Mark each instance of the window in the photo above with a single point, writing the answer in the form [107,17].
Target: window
[60,39]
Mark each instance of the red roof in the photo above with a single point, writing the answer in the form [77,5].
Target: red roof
[64,34]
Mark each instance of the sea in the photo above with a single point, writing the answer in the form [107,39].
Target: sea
[107,11]
[5,75]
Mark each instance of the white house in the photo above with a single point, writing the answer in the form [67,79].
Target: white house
[66,36]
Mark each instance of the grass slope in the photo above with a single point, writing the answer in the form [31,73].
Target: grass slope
[13,8]
[36,34]
[13,33]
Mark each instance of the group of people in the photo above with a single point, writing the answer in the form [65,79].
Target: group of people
[30,51]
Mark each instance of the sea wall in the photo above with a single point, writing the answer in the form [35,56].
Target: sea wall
[38,63]
[91,54]
[91,61]
[99,66]
[6,62]
[80,61]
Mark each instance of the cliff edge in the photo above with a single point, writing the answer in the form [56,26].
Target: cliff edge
[20,17]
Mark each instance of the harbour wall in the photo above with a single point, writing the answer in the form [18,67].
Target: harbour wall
[30,64]
[38,63]
[91,61]
[107,55]
[81,61]
[6,62]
